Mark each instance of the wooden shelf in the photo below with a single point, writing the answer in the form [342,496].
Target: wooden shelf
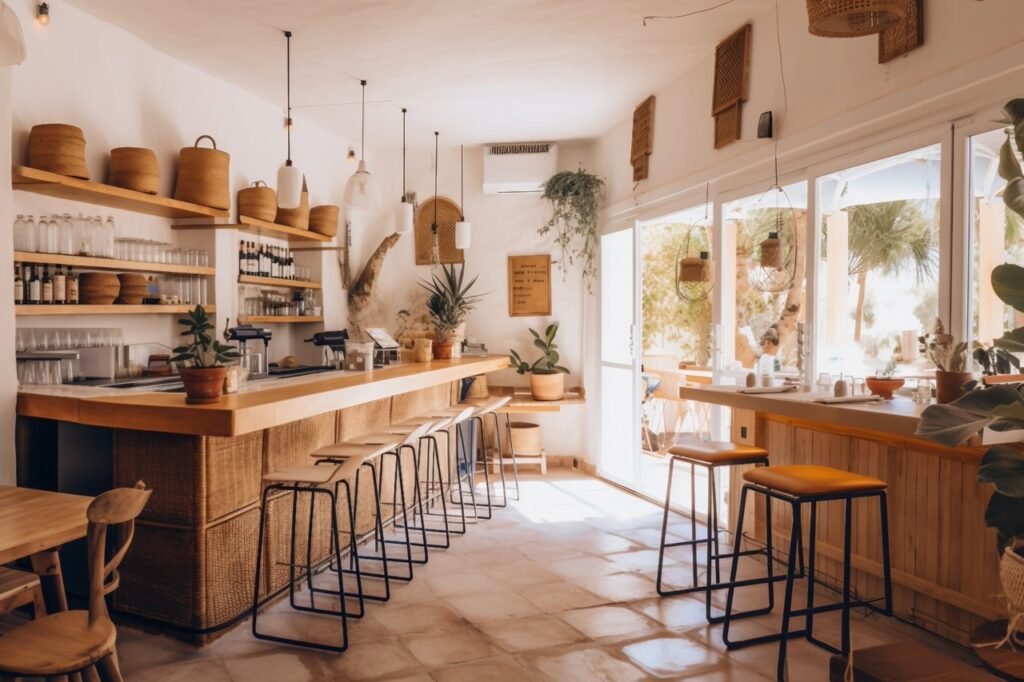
[280,319]
[275,282]
[260,227]
[114,309]
[63,187]
[89,263]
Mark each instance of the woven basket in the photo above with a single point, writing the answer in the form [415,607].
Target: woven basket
[98,288]
[258,202]
[135,168]
[296,217]
[1011,572]
[133,288]
[852,18]
[203,175]
[324,219]
[58,148]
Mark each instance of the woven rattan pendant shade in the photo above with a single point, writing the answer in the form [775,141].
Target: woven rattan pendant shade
[852,18]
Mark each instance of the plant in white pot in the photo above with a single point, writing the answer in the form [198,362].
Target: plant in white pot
[201,363]
[547,377]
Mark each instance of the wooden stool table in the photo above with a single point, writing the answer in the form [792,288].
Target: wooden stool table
[34,524]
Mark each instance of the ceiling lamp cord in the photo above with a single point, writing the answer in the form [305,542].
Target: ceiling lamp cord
[362,128]
[462,182]
[288,89]
[404,192]
[687,14]
[435,248]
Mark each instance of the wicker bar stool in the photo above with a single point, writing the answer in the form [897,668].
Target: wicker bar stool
[367,457]
[315,481]
[711,455]
[798,485]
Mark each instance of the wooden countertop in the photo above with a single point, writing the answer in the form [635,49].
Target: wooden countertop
[262,405]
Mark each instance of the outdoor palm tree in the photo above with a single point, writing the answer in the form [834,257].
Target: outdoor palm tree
[885,237]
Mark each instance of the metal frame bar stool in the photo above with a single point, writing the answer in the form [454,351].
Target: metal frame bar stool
[797,485]
[459,474]
[490,408]
[366,456]
[711,455]
[315,480]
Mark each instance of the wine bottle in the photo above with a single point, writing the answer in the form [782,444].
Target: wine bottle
[71,293]
[59,286]
[19,287]
[47,287]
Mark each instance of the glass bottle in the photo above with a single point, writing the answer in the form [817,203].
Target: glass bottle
[109,237]
[34,286]
[46,287]
[71,294]
[59,286]
[19,287]
[66,234]
[19,233]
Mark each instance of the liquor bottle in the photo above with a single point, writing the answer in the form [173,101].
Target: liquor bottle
[241,257]
[35,292]
[264,261]
[46,295]
[71,291]
[19,286]
[254,266]
[277,262]
[59,286]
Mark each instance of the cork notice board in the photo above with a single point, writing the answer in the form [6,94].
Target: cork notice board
[529,285]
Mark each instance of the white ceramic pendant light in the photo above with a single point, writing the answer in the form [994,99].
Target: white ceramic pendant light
[361,192]
[289,178]
[404,212]
[462,228]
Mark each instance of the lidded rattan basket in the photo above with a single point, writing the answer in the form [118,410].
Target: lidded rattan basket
[58,148]
[324,219]
[852,18]
[258,201]
[135,168]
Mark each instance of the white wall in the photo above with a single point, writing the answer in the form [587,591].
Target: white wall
[8,377]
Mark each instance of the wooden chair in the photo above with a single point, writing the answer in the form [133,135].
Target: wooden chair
[20,588]
[71,641]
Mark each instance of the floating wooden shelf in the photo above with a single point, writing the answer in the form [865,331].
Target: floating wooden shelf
[279,319]
[275,282]
[260,227]
[64,187]
[89,263]
[114,309]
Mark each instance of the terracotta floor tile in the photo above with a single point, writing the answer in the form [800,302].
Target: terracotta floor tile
[672,657]
[401,619]
[374,659]
[455,645]
[534,632]
[590,664]
[495,605]
[499,669]
[454,584]
[555,597]
[620,587]
[604,622]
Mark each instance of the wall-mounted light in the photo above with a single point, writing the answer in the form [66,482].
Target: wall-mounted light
[43,13]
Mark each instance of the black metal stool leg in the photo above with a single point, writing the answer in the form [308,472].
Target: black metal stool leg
[664,531]
[259,559]
[847,546]
[883,509]
[501,465]
[787,606]
[811,548]
[512,453]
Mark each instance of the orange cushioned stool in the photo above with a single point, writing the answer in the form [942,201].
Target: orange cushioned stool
[808,484]
[711,455]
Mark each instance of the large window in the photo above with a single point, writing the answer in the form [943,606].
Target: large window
[879,270]
[769,300]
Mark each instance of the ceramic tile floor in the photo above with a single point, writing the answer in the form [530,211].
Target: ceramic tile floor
[560,586]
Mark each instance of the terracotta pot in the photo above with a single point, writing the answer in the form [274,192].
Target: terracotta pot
[950,385]
[547,386]
[883,387]
[525,438]
[443,349]
[202,384]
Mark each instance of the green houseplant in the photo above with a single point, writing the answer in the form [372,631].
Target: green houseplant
[547,377]
[950,359]
[201,361]
[449,301]
[575,198]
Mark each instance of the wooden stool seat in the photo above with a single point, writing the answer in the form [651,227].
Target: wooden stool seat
[18,588]
[493,403]
[807,480]
[387,440]
[720,453]
[315,474]
[361,452]
[57,644]
[905,662]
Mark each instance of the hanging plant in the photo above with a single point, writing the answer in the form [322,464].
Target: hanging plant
[575,198]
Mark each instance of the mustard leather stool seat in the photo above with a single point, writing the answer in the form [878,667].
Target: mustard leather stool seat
[810,480]
[720,453]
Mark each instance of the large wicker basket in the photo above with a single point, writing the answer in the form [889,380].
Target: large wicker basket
[296,217]
[852,18]
[324,219]
[203,175]
[135,168]
[1011,573]
[58,148]
[258,201]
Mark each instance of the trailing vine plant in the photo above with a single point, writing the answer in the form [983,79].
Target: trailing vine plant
[575,198]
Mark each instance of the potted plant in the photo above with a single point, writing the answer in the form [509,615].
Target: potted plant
[201,362]
[547,377]
[950,359]
[997,364]
[448,302]
[884,383]
[575,198]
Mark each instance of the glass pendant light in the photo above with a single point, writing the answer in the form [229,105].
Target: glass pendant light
[435,246]
[462,228]
[404,214]
[361,192]
[289,178]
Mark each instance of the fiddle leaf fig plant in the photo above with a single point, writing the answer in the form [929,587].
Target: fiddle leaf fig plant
[575,198]
[204,350]
[547,363]
[1010,155]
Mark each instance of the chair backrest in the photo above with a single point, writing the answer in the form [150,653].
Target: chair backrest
[420,431]
[117,508]
[464,415]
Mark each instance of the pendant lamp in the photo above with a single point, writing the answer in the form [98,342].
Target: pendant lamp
[462,228]
[12,41]
[289,178]
[435,245]
[852,18]
[361,192]
[404,214]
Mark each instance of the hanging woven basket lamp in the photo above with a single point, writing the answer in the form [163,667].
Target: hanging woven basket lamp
[695,274]
[852,18]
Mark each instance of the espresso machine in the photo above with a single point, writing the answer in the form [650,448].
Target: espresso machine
[333,345]
[252,359]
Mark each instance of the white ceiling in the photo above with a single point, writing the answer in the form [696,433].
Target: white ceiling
[477,70]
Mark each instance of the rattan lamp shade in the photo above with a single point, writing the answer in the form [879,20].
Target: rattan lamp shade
[852,18]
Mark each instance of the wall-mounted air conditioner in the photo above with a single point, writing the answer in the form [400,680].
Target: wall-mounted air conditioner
[518,167]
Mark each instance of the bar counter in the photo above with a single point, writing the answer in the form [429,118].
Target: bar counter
[944,561]
[191,568]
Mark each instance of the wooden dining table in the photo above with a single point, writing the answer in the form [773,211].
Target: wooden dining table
[34,524]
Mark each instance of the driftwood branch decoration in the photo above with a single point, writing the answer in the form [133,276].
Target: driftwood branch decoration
[361,291]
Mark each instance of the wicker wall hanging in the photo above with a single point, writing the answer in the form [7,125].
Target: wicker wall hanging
[852,18]
[643,138]
[448,214]
[732,83]
[905,36]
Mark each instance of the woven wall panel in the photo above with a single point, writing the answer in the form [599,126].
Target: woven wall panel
[160,576]
[290,444]
[447,215]
[232,473]
[230,566]
[643,129]
[904,36]
[727,126]
[732,70]
[170,465]
[365,418]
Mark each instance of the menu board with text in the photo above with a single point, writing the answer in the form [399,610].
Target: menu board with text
[529,285]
